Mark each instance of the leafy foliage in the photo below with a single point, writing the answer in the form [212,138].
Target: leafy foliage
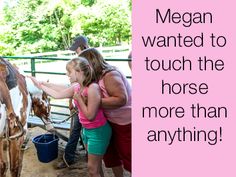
[44,25]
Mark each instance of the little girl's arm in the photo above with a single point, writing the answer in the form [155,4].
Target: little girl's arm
[116,90]
[65,93]
[56,87]
[58,94]
[94,99]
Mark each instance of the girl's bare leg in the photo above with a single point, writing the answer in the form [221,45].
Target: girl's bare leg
[94,165]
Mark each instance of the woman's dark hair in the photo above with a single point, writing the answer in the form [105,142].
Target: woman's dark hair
[96,60]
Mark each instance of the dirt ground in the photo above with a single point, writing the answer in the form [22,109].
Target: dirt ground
[34,168]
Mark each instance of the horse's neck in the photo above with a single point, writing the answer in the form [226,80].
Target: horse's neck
[16,99]
[3,117]
[32,88]
[17,103]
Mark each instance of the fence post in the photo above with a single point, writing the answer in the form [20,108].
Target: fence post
[32,66]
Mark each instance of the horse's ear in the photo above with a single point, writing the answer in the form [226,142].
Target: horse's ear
[4,71]
[3,66]
[44,96]
[15,66]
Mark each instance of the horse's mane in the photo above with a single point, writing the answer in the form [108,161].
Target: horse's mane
[11,79]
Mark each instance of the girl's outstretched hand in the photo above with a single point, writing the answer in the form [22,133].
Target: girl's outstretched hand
[36,83]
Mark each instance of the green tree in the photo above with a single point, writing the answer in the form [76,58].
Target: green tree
[105,23]
[45,25]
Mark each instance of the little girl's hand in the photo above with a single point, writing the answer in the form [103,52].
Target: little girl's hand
[77,96]
[36,83]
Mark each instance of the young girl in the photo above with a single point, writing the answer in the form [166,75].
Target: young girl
[87,97]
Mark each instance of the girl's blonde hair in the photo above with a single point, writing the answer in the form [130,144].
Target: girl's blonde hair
[81,64]
[96,60]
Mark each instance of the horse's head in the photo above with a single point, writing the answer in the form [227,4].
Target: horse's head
[40,103]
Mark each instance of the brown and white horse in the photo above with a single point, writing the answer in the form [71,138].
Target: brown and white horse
[16,99]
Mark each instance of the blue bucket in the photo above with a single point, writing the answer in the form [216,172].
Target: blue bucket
[46,146]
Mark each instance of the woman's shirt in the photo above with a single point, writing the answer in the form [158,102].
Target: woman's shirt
[122,115]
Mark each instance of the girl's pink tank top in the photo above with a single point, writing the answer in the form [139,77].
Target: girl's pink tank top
[99,120]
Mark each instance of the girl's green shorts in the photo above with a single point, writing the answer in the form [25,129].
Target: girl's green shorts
[97,139]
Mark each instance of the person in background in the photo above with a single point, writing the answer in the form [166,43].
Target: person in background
[80,43]
[116,103]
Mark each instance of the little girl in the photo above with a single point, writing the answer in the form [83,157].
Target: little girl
[87,97]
